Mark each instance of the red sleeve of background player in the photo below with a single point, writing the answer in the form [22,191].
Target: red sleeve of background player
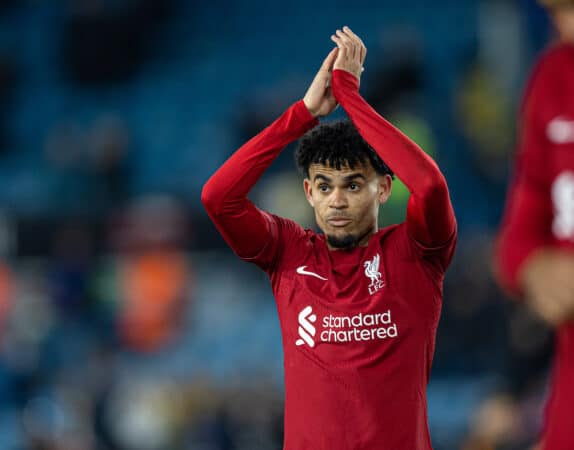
[249,231]
[527,220]
[430,217]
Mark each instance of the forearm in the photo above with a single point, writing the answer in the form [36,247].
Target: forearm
[525,229]
[224,196]
[430,217]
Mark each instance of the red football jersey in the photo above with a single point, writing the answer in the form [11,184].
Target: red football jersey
[540,210]
[358,329]
[358,325]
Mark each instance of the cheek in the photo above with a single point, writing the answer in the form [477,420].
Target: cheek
[367,201]
[318,205]
[367,208]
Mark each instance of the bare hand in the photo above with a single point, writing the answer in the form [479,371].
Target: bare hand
[548,282]
[352,52]
[319,99]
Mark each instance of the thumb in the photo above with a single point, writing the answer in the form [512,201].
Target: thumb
[330,60]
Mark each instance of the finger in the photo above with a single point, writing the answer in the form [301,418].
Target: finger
[345,39]
[342,53]
[329,60]
[356,39]
[363,54]
[348,42]
[361,50]
[353,36]
[340,38]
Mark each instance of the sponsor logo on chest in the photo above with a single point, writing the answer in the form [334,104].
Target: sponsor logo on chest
[343,328]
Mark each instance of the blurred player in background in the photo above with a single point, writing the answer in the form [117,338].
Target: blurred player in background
[358,306]
[535,252]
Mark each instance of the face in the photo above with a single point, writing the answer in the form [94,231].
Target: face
[563,17]
[346,202]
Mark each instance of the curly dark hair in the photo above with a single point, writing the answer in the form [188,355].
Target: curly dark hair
[337,144]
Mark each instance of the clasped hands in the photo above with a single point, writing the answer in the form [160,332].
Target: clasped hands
[348,55]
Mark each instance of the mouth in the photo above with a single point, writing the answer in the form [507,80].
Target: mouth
[339,222]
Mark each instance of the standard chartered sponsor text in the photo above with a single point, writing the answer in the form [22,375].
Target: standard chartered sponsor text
[360,327]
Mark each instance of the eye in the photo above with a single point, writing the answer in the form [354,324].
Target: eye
[323,187]
[354,187]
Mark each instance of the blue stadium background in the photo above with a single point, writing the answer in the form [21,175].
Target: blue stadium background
[112,116]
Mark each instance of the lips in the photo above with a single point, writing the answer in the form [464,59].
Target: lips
[339,221]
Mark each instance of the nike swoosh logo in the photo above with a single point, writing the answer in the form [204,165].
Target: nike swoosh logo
[301,271]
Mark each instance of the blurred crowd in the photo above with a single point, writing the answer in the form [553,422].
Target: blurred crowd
[125,322]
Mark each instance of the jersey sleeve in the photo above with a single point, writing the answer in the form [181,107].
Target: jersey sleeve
[527,220]
[252,233]
[430,221]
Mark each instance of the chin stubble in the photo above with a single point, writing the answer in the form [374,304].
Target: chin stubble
[348,241]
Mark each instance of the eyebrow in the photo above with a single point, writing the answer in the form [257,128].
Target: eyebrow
[348,178]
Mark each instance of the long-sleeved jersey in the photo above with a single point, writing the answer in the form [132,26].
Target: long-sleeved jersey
[540,210]
[358,325]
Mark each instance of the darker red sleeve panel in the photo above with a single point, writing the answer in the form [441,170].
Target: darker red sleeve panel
[244,227]
[430,217]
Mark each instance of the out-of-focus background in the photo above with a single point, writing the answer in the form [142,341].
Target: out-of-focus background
[125,321]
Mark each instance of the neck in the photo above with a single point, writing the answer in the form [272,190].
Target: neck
[361,241]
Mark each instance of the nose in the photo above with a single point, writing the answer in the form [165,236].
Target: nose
[338,199]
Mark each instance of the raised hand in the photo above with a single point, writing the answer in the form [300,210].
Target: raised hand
[319,99]
[352,51]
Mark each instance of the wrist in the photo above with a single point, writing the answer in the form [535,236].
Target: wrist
[347,74]
[313,111]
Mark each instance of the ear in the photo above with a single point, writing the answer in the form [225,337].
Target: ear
[308,191]
[385,186]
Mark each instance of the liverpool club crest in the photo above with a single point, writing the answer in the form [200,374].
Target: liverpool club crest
[372,272]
